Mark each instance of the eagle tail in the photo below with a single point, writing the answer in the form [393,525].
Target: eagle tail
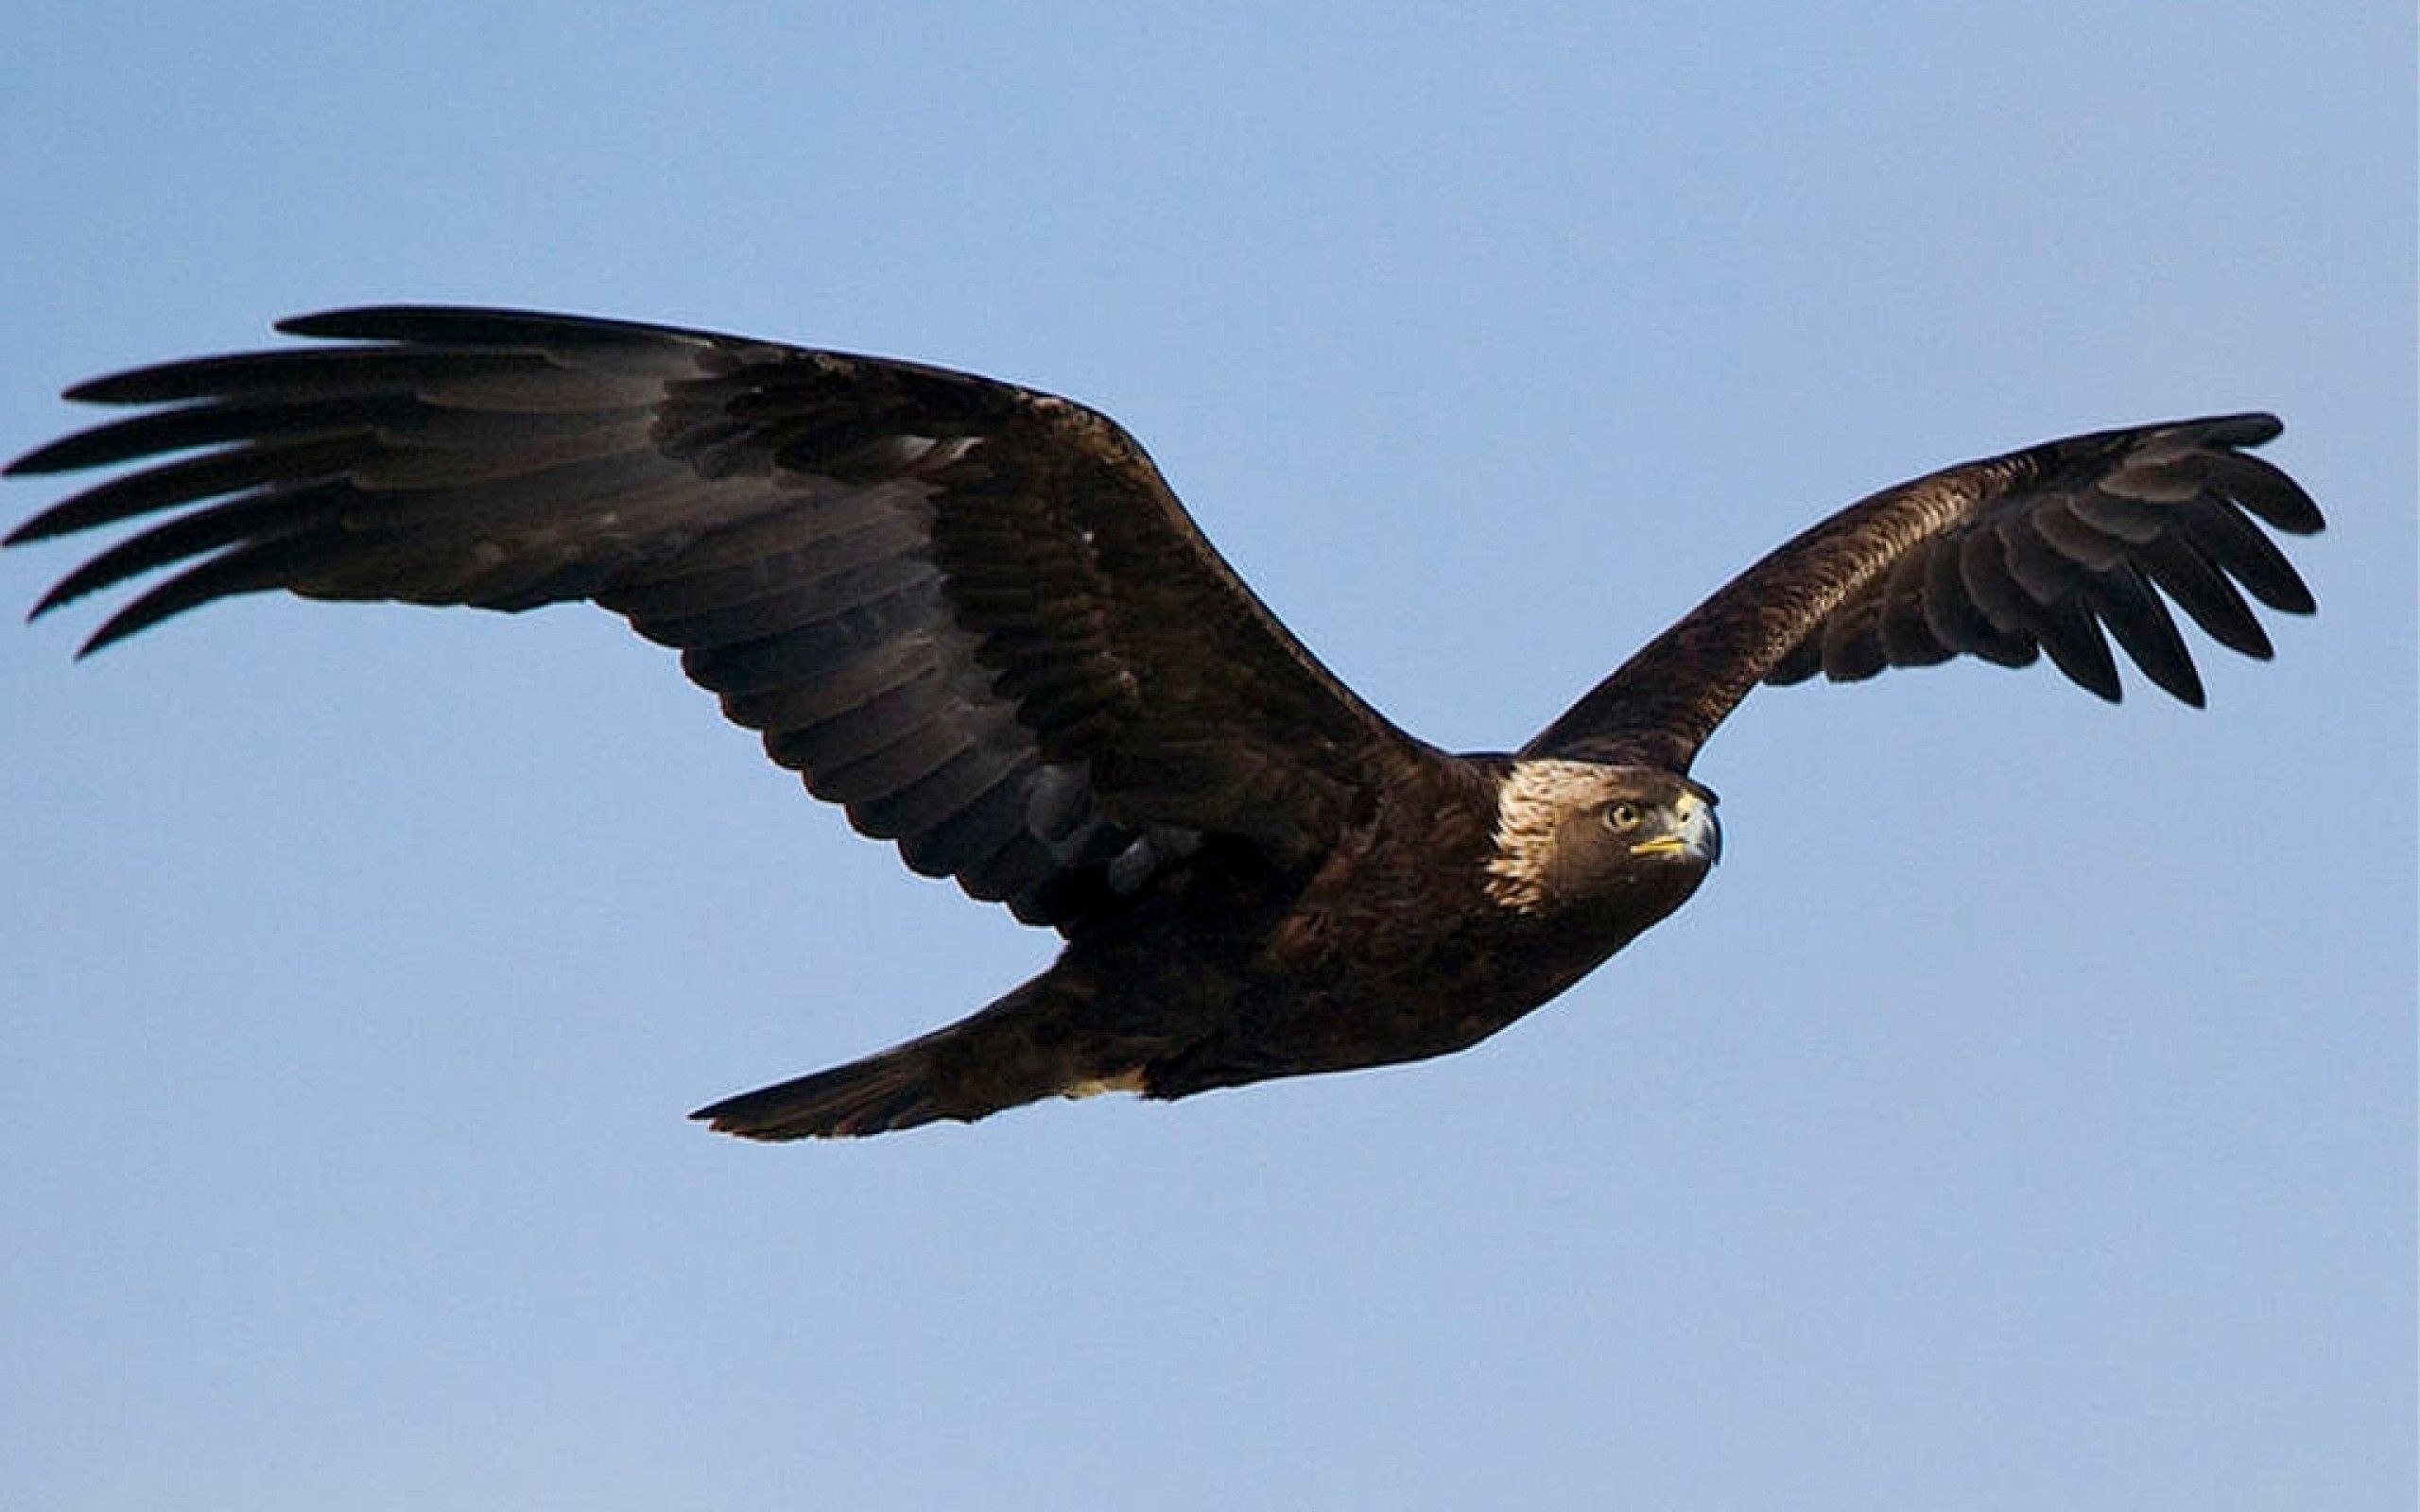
[1016,1051]
[892,1090]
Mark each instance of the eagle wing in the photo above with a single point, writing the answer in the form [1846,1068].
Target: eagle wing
[2004,558]
[972,615]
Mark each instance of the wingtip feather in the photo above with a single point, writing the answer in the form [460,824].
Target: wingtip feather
[472,326]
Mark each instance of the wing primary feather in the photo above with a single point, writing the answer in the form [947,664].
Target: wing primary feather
[2140,623]
[158,433]
[458,326]
[2206,596]
[248,569]
[2236,547]
[194,479]
[319,373]
[2073,641]
[254,517]
[2267,490]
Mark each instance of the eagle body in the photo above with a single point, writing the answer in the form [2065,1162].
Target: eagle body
[1411,938]
[976,618]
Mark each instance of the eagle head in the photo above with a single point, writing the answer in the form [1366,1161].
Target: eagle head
[1588,835]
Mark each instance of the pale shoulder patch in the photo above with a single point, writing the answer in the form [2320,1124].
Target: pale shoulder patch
[1529,809]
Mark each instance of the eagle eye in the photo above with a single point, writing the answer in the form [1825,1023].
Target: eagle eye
[1621,815]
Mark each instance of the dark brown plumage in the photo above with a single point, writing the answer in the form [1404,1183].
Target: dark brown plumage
[977,616]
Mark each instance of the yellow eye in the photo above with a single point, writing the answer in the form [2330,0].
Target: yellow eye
[1621,816]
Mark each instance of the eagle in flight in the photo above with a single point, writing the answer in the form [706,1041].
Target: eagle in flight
[977,617]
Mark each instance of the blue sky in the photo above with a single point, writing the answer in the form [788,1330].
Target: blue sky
[2022,1116]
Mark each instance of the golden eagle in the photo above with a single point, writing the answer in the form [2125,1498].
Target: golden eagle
[977,617]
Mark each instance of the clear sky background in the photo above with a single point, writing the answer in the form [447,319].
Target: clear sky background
[2021,1117]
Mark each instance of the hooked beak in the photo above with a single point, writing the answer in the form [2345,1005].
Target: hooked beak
[1692,832]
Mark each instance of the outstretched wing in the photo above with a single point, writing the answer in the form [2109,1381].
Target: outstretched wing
[2003,558]
[974,614]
